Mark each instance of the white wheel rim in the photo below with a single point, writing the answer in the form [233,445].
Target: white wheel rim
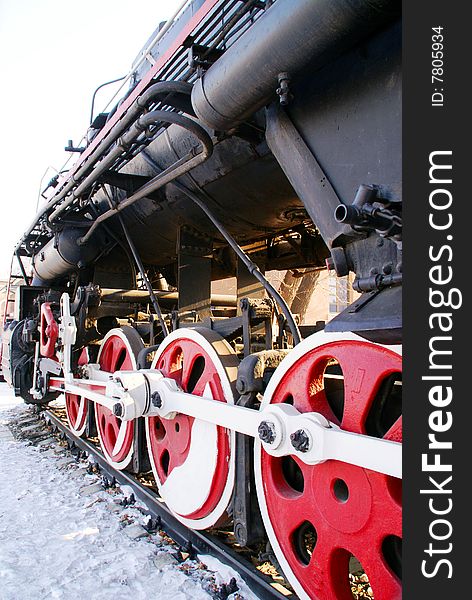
[81,430]
[175,493]
[83,405]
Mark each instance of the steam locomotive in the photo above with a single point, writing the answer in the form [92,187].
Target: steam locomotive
[254,136]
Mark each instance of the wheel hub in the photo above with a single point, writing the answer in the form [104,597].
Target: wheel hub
[343,495]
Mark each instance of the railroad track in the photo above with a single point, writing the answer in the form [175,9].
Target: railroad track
[191,541]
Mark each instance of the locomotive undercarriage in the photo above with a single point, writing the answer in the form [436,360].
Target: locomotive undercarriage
[228,410]
[287,432]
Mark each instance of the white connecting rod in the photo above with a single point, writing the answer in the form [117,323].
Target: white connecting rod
[85,392]
[281,429]
[363,450]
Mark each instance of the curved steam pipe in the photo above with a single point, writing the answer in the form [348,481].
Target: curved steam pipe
[191,160]
[172,92]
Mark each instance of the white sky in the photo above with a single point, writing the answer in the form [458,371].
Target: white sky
[53,54]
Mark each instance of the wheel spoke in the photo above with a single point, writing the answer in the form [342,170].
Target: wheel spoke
[363,375]
[294,511]
[328,570]
[385,584]
[305,389]
[119,350]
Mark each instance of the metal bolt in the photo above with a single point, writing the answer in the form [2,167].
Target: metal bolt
[266,432]
[300,440]
[284,90]
[241,385]
[244,304]
[118,410]
[156,399]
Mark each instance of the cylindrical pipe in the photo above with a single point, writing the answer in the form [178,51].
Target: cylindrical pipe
[157,92]
[291,35]
[142,296]
[61,255]
[188,162]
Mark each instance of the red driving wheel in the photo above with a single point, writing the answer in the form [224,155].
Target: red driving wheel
[77,407]
[119,350]
[48,331]
[192,460]
[329,520]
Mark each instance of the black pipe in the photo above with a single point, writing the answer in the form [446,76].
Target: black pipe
[159,92]
[191,160]
[251,266]
[290,36]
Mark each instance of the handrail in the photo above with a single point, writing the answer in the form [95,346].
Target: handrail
[153,92]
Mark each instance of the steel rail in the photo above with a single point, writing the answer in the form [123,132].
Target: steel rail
[202,542]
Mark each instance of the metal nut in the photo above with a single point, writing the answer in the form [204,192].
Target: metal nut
[266,432]
[156,399]
[118,410]
[300,440]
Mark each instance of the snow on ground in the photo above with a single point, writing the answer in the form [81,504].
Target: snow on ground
[56,543]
